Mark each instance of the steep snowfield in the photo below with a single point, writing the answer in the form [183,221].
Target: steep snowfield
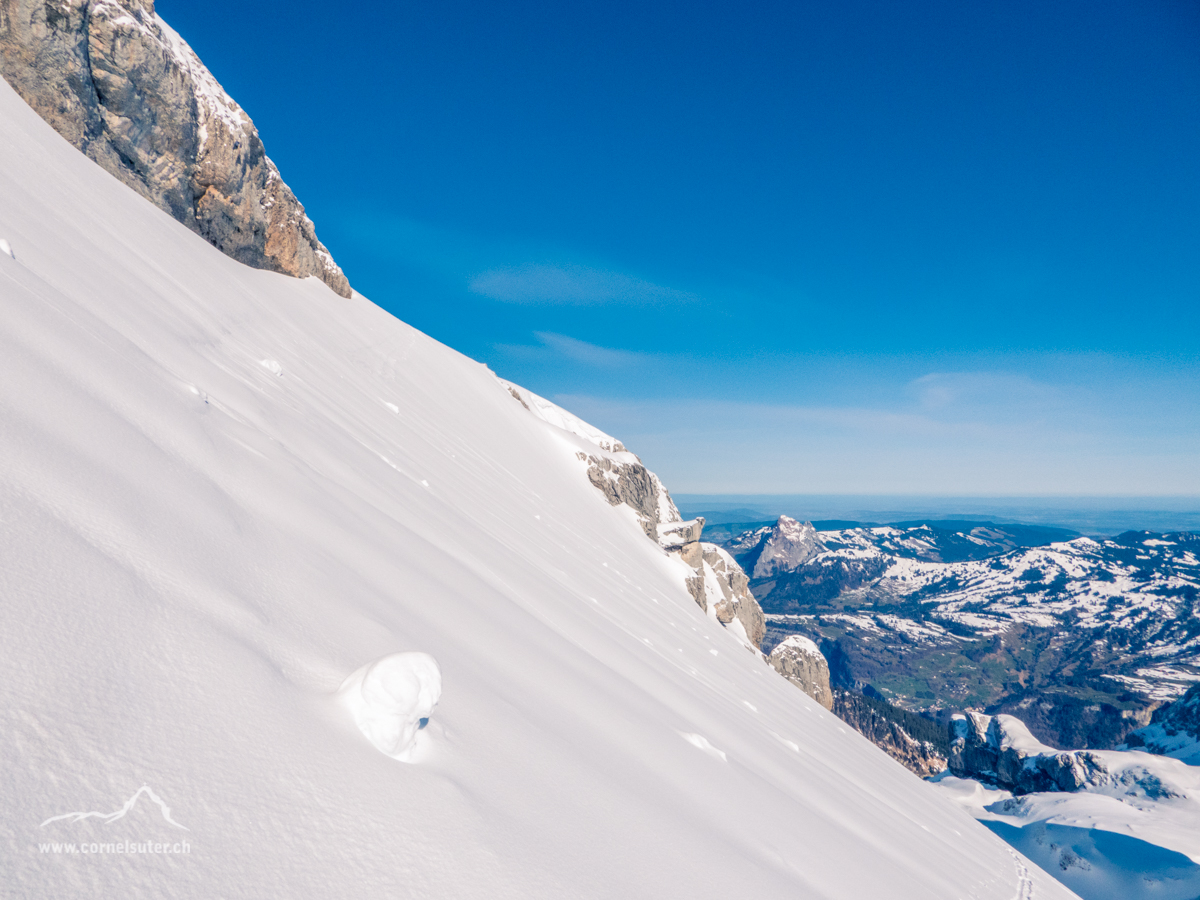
[223,491]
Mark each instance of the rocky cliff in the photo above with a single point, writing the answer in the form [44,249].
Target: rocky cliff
[117,82]
[1000,750]
[801,662]
[884,725]
[789,545]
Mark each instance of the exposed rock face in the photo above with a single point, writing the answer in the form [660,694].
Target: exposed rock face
[1000,749]
[799,661]
[1173,731]
[721,586]
[919,756]
[716,582]
[631,483]
[118,83]
[788,546]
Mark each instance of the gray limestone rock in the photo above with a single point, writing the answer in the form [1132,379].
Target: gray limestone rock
[672,535]
[800,661]
[790,545]
[629,483]
[121,86]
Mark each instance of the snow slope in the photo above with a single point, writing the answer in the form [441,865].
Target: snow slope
[223,491]
[1132,832]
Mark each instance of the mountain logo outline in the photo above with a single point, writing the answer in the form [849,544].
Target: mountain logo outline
[107,818]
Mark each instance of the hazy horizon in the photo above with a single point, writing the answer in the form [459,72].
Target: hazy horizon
[1088,515]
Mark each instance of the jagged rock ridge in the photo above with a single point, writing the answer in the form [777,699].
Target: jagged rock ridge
[788,545]
[716,582]
[120,85]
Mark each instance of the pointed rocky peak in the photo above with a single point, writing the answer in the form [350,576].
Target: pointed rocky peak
[790,545]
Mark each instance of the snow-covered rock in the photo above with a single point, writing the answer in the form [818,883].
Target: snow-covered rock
[118,83]
[801,662]
[716,581]
[196,552]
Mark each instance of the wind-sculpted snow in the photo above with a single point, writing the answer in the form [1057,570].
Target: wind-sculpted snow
[392,698]
[1122,826]
[195,551]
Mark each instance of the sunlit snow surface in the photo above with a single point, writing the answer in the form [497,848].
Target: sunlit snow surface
[1135,835]
[198,548]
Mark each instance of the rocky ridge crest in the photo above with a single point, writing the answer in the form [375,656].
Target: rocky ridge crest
[119,84]
[716,582]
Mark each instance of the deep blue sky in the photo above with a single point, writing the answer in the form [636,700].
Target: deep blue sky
[940,247]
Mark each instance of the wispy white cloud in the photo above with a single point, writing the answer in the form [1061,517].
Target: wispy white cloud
[946,393]
[571,285]
[553,347]
[959,441]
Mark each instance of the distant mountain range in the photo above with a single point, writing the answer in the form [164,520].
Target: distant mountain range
[1081,638]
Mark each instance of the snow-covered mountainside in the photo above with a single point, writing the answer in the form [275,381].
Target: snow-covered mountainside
[1111,825]
[1080,638]
[117,82]
[229,497]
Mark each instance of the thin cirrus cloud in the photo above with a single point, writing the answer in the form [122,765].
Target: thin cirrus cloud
[559,347]
[571,285]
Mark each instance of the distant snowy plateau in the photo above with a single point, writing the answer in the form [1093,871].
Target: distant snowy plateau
[229,497]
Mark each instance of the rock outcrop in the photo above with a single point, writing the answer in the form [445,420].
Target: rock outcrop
[716,582]
[878,724]
[1000,750]
[720,586]
[799,660]
[120,85]
[631,483]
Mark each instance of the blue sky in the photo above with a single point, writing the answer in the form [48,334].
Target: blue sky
[863,247]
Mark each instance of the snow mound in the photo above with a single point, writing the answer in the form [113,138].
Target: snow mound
[391,699]
[700,742]
[6,248]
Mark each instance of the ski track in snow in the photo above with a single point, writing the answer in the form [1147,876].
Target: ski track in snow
[1024,879]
